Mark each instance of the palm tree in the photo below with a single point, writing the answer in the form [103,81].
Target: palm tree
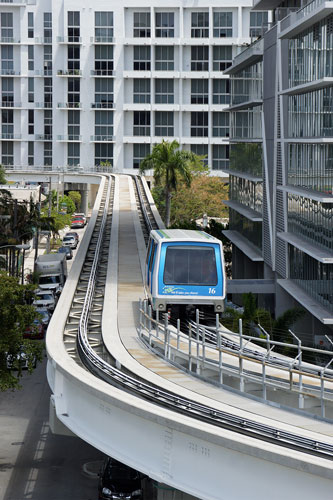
[170,164]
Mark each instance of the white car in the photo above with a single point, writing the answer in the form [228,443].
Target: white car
[69,241]
[45,298]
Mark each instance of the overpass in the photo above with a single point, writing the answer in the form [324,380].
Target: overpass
[264,447]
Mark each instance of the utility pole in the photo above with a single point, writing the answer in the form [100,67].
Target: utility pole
[48,247]
[37,229]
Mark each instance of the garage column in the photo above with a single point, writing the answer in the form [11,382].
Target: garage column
[84,201]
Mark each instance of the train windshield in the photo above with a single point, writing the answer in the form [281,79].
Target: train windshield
[190,265]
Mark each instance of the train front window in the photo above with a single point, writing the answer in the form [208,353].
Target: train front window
[190,265]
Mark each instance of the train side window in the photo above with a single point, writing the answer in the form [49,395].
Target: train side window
[152,257]
[150,243]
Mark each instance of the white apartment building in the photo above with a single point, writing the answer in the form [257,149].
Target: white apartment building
[84,84]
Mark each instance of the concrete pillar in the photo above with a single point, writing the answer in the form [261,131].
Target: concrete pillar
[84,201]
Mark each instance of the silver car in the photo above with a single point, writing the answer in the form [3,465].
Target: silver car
[45,298]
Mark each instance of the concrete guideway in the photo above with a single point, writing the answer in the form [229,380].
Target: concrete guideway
[171,448]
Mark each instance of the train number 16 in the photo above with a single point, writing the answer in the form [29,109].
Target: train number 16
[212,291]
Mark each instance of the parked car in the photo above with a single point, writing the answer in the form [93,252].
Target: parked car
[117,480]
[22,361]
[45,316]
[69,241]
[82,216]
[67,250]
[75,234]
[77,222]
[35,331]
[45,298]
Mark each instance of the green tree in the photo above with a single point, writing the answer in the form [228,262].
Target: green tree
[170,165]
[75,196]
[3,179]
[15,316]
[69,203]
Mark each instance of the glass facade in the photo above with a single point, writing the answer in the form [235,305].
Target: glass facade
[248,193]
[310,114]
[250,230]
[246,85]
[310,166]
[246,124]
[246,158]
[313,276]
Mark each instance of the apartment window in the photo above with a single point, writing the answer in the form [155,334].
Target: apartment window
[221,91]
[141,59]
[164,91]
[73,126]
[199,91]
[164,25]
[201,150]
[104,125]
[103,26]
[47,60]
[140,151]
[104,59]
[7,32]
[73,53]
[31,121]
[48,27]
[31,57]
[30,24]
[164,58]
[222,24]
[48,123]
[7,96]
[164,124]
[199,124]
[220,157]
[141,123]
[73,28]
[74,91]
[199,58]
[222,58]
[31,89]
[220,124]
[7,128]
[7,60]
[48,92]
[47,154]
[104,153]
[31,153]
[73,154]
[258,23]
[199,25]
[141,90]
[141,24]
[103,93]
[7,156]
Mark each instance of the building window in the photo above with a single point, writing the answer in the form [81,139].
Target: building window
[258,23]
[30,24]
[31,153]
[220,157]
[7,156]
[164,91]
[73,52]
[103,93]
[7,32]
[31,89]
[222,58]
[48,27]
[221,91]
[73,127]
[73,153]
[199,91]
[7,128]
[47,154]
[164,58]
[104,154]
[7,60]
[141,24]
[103,26]
[199,25]
[48,124]
[73,28]
[31,121]
[201,150]
[7,96]
[140,151]
[199,58]
[104,60]
[164,124]
[74,92]
[141,90]
[164,25]
[104,125]
[141,60]
[141,123]
[222,24]
[47,60]
[199,124]
[48,92]
[31,57]
[220,124]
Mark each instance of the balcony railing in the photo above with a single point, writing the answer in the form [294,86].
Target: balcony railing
[43,105]
[11,137]
[102,39]
[43,40]
[101,138]
[103,105]
[69,72]
[69,105]
[9,72]
[7,39]
[10,104]
[69,39]
[101,72]
[43,137]
[69,138]
[43,72]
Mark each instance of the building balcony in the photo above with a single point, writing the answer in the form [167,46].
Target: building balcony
[303,88]
[102,138]
[9,72]
[43,72]
[9,40]
[43,41]
[43,105]
[43,137]
[14,3]
[245,105]
[69,72]
[243,175]
[69,40]
[103,105]
[10,104]
[318,253]
[69,138]
[247,212]
[307,193]
[250,250]
[102,72]
[305,17]
[247,57]
[69,105]
[11,137]
[102,40]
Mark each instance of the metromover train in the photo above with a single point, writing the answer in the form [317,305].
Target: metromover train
[185,271]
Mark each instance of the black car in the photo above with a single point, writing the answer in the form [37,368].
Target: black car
[67,250]
[118,481]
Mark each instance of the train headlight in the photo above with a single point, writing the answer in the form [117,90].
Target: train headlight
[218,308]
[160,306]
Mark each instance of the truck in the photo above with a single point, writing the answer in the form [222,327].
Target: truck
[52,271]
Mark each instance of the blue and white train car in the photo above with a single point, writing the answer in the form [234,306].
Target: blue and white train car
[185,268]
